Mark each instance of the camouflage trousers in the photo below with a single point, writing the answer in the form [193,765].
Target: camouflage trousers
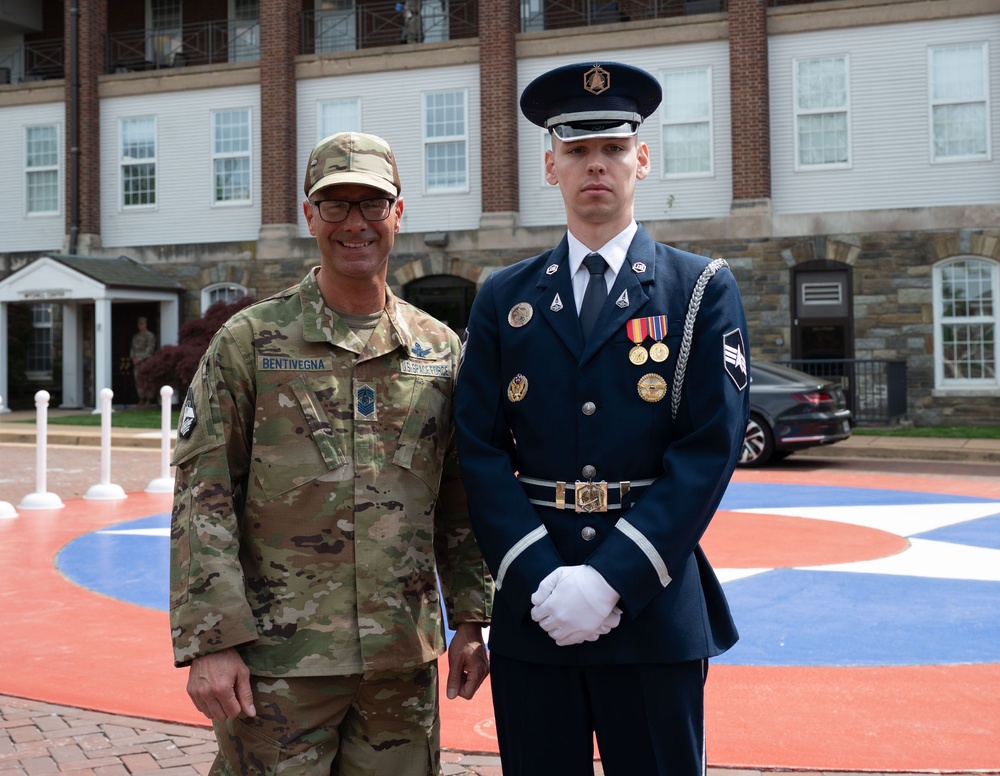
[373,724]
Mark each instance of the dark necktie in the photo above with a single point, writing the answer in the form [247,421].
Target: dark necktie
[597,292]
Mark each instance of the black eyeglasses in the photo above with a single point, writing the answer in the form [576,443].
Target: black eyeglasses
[333,211]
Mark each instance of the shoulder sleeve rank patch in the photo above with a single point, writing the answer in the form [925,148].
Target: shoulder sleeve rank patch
[735,358]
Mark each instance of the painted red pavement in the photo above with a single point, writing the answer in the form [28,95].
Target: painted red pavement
[64,644]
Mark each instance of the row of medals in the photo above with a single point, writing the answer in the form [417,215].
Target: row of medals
[651,386]
[659,352]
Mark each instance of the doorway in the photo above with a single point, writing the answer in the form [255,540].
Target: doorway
[822,312]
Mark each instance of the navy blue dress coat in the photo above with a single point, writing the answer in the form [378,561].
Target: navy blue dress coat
[520,409]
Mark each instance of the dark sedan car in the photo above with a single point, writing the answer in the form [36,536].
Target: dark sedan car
[791,410]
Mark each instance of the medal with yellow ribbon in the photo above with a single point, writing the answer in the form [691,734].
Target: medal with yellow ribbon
[638,330]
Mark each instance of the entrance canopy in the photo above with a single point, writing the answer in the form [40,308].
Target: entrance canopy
[74,282]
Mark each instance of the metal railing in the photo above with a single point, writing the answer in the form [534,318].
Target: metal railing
[875,389]
[203,43]
[561,14]
[35,61]
[381,24]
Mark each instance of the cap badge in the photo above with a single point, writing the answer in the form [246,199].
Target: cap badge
[596,80]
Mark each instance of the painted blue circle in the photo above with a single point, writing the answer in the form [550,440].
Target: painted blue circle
[786,617]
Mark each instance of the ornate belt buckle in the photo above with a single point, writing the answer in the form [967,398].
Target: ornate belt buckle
[591,496]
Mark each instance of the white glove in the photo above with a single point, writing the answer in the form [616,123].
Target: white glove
[575,604]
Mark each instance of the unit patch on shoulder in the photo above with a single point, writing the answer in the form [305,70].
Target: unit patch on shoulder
[735,358]
[189,418]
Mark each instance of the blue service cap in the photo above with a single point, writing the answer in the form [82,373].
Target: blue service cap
[604,99]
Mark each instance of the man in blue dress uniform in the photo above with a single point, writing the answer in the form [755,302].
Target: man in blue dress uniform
[601,408]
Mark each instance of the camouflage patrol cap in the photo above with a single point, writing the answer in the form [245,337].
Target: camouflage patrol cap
[352,157]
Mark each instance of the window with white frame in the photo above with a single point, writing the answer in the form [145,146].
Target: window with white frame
[966,322]
[221,292]
[39,361]
[335,116]
[336,21]
[532,15]
[244,30]
[41,169]
[164,36]
[822,117]
[959,85]
[231,156]
[686,116]
[446,141]
[138,161]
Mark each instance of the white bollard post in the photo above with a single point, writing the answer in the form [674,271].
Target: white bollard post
[41,498]
[6,508]
[105,490]
[164,483]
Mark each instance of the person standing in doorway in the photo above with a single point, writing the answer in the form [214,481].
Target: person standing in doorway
[143,346]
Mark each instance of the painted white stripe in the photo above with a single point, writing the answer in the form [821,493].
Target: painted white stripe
[899,519]
[516,550]
[139,532]
[644,544]
[930,560]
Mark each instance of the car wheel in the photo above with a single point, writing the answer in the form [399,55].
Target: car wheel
[758,443]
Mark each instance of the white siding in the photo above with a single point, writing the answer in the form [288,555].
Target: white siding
[392,108]
[19,231]
[185,211]
[890,166]
[698,197]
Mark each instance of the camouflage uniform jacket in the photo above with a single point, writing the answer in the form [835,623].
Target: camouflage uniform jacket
[143,345]
[317,494]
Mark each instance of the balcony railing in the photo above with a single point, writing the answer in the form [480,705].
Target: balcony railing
[380,24]
[35,61]
[561,14]
[876,389]
[205,43]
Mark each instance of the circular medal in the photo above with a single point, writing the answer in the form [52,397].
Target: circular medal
[652,387]
[519,314]
[517,388]
[638,355]
[659,352]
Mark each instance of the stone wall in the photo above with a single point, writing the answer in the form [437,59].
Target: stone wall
[891,277]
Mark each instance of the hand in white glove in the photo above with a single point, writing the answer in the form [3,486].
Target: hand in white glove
[575,604]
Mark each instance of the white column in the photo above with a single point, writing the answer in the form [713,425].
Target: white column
[72,353]
[102,346]
[170,314]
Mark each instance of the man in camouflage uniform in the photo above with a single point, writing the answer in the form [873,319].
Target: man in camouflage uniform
[143,346]
[317,502]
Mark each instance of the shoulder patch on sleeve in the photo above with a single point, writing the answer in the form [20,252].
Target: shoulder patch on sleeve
[735,358]
[189,417]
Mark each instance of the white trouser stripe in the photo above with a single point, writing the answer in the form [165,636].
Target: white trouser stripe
[516,550]
[643,544]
